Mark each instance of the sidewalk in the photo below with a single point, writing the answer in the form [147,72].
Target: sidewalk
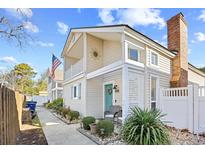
[59,133]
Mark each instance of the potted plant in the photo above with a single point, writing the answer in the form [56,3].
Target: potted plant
[93,128]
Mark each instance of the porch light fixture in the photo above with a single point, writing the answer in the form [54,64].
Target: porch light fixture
[115,87]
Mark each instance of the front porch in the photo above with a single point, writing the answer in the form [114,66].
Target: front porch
[104,92]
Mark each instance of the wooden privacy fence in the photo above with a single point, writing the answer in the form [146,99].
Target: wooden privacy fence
[11,104]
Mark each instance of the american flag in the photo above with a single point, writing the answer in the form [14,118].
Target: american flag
[55,63]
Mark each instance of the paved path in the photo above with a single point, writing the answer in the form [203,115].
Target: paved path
[59,133]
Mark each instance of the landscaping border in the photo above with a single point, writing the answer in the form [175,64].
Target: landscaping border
[60,118]
[95,139]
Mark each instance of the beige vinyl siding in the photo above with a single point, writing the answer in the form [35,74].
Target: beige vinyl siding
[94,44]
[136,88]
[75,104]
[94,101]
[164,63]
[112,52]
[194,77]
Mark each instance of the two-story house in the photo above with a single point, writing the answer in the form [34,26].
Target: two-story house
[117,65]
[55,86]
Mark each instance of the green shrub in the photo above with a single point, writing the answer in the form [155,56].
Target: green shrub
[87,121]
[59,110]
[57,104]
[107,127]
[144,127]
[65,112]
[73,115]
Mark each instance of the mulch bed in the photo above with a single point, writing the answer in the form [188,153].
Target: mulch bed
[64,119]
[31,137]
[99,140]
[31,134]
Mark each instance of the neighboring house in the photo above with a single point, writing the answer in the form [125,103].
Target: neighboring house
[55,86]
[117,65]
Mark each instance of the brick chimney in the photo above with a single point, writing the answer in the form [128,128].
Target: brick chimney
[178,43]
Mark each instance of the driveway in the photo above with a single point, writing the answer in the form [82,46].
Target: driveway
[59,133]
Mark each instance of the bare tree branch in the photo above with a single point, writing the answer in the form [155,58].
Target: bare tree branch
[15,32]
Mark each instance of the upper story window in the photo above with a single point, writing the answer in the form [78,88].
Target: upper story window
[133,54]
[154,58]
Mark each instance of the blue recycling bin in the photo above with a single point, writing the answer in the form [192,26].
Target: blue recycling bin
[31,105]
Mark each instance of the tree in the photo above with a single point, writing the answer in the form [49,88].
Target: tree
[14,31]
[41,84]
[202,69]
[24,76]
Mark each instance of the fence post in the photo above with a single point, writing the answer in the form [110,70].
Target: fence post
[190,109]
[196,108]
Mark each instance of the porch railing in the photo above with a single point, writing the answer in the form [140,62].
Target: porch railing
[74,69]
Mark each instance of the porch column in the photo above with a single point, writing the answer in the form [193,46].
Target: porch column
[125,92]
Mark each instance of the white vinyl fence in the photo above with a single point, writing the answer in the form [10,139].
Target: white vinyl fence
[39,99]
[184,107]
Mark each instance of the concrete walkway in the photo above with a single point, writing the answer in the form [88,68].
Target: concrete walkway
[59,133]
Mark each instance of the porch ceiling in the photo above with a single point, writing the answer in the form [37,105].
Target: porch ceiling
[107,36]
[77,50]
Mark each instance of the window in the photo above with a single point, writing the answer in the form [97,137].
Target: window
[153,92]
[154,58]
[133,54]
[76,91]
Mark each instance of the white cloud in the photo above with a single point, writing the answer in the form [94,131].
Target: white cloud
[200,36]
[8,59]
[202,16]
[106,16]
[132,17]
[163,43]
[30,27]
[20,12]
[62,27]
[43,44]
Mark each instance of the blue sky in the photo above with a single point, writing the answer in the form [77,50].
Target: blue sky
[50,27]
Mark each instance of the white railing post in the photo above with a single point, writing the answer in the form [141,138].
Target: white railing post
[161,99]
[190,109]
[196,107]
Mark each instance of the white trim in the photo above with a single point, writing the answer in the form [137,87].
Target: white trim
[149,43]
[76,77]
[137,46]
[109,68]
[157,91]
[71,45]
[113,96]
[158,56]
[77,91]
[100,30]
[127,60]
[125,92]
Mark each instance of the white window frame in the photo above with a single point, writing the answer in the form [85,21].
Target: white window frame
[157,91]
[139,49]
[76,86]
[138,52]
[151,64]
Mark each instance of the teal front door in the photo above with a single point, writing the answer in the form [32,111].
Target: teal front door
[108,96]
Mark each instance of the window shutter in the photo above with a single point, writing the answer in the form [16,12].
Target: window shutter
[71,92]
[79,91]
